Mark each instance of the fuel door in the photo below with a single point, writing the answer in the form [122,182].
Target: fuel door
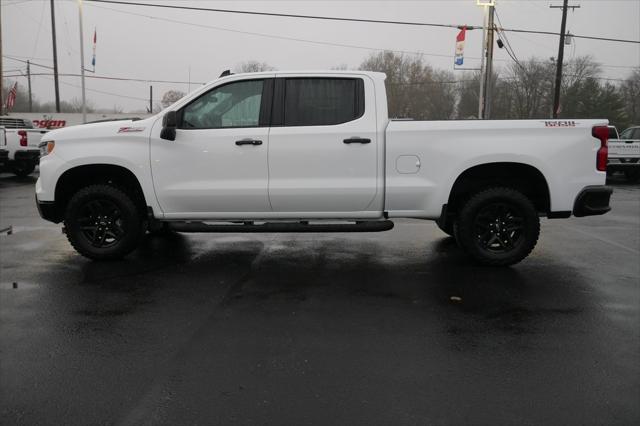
[408,164]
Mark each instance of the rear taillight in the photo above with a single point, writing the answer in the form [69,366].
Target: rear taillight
[23,137]
[602,133]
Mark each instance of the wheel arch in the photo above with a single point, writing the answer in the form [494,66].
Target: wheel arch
[81,176]
[520,176]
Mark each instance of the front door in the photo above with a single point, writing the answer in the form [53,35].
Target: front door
[217,165]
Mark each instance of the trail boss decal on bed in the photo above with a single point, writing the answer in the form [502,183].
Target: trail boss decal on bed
[130,129]
[557,123]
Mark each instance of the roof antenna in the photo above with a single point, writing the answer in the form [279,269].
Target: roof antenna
[225,73]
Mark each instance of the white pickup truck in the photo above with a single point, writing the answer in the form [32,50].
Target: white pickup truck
[22,144]
[624,154]
[4,153]
[316,152]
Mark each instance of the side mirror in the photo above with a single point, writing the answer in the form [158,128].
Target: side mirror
[169,125]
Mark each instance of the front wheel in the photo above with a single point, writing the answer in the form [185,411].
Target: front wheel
[498,226]
[103,222]
[447,229]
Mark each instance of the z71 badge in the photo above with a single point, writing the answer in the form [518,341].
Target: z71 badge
[130,129]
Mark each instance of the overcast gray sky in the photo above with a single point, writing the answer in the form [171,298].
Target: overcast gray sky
[131,43]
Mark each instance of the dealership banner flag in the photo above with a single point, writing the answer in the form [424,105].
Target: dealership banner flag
[95,39]
[459,58]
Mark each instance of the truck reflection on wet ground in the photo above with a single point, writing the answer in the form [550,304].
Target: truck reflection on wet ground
[391,328]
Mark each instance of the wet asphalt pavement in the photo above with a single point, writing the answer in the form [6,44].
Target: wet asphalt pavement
[327,329]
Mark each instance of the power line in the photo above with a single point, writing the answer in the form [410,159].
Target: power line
[24,62]
[98,91]
[279,37]
[300,39]
[507,44]
[104,77]
[342,19]
[35,45]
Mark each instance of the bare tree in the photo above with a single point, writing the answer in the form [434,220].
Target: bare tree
[171,97]
[630,93]
[253,66]
[414,89]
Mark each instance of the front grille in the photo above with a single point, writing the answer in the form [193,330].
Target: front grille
[15,123]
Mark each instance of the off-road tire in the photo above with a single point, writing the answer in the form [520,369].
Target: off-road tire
[502,238]
[632,175]
[98,210]
[22,168]
[448,229]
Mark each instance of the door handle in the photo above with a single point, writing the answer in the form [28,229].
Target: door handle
[248,142]
[357,140]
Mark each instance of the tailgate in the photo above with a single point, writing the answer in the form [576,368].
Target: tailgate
[34,136]
[619,148]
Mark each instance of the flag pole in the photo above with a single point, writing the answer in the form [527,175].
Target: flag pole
[84,99]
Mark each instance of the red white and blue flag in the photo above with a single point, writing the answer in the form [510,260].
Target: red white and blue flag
[11,99]
[459,57]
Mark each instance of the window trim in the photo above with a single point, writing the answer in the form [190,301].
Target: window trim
[265,105]
[279,96]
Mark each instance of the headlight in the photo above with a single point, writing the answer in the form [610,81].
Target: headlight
[46,147]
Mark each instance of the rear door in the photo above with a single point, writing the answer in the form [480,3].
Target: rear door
[322,147]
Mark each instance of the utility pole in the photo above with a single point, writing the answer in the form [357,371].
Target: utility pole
[55,57]
[29,84]
[1,97]
[488,74]
[484,107]
[558,84]
[84,98]
[150,99]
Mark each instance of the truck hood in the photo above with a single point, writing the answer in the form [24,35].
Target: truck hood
[107,129]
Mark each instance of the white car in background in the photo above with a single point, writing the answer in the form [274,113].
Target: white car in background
[624,154]
[4,153]
[22,144]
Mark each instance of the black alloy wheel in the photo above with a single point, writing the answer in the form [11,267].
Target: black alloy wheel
[498,226]
[103,222]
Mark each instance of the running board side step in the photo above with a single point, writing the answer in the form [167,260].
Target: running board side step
[364,226]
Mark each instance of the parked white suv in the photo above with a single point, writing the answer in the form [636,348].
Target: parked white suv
[316,152]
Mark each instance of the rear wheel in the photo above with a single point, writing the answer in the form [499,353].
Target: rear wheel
[103,222]
[498,226]
[632,175]
[22,168]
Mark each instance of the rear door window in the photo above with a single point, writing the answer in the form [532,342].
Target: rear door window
[322,101]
